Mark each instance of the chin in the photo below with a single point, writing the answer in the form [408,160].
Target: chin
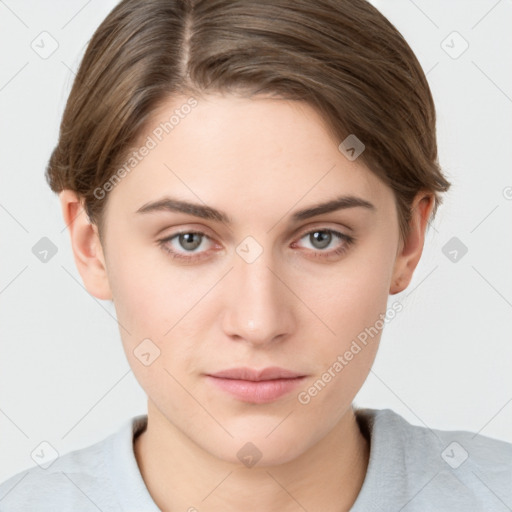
[254,447]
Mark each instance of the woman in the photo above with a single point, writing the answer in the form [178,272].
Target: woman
[248,182]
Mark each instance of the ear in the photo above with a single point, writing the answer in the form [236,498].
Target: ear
[409,253]
[85,242]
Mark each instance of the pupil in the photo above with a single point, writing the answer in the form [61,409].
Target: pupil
[323,238]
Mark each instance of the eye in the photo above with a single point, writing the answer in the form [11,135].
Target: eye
[189,246]
[186,245]
[320,239]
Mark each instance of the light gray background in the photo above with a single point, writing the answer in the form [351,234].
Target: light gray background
[444,362]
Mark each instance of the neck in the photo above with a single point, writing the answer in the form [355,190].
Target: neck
[180,475]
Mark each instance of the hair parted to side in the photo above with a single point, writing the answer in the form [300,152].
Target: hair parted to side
[343,57]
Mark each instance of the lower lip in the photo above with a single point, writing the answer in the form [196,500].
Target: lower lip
[257,392]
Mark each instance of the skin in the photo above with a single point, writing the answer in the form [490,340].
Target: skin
[259,160]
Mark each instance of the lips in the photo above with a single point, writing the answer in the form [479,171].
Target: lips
[270,373]
[256,386]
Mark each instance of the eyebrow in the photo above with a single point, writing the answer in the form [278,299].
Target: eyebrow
[169,204]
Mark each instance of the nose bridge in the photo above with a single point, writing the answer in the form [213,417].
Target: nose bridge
[259,308]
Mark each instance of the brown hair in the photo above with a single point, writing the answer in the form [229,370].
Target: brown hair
[343,57]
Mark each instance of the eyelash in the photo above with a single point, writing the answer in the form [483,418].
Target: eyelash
[348,241]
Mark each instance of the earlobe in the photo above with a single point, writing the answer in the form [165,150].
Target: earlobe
[412,248]
[86,246]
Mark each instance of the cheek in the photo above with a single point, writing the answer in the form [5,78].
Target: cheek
[353,294]
[149,294]
[142,302]
[353,305]
[157,301]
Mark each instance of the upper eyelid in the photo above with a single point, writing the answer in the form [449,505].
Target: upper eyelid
[319,228]
[299,233]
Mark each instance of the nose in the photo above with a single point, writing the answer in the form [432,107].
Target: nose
[260,308]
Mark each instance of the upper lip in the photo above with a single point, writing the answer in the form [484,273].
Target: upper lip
[270,373]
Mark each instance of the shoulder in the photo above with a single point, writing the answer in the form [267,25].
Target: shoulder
[457,446]
[79,480]
[443,469]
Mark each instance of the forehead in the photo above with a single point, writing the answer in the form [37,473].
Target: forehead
[239,151]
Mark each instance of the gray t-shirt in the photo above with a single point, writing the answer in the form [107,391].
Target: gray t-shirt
[411,468]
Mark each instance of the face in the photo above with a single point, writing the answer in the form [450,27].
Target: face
[253,284]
